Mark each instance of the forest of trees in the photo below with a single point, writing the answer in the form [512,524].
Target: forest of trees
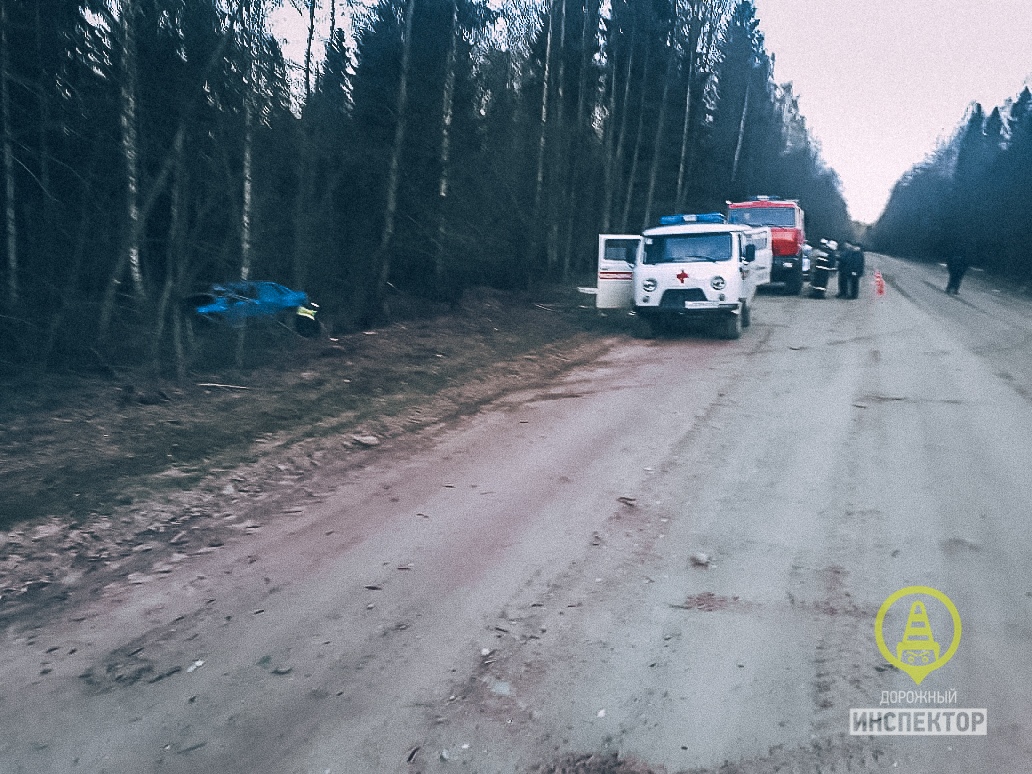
[151,147]
[972,197]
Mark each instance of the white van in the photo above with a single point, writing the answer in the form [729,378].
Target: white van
[690,266]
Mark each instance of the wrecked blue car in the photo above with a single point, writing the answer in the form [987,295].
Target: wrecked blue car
[237,302]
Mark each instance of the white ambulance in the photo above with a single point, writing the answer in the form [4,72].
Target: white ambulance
[690,266]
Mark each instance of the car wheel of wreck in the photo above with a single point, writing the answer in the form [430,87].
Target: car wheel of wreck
[307,325]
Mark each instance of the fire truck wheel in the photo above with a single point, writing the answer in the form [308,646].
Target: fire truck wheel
[795,285]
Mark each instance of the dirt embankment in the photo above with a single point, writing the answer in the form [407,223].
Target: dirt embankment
[103,479]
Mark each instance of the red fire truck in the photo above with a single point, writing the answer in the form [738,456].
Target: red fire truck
[788,233]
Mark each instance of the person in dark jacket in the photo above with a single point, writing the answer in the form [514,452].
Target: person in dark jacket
[957,266]
[851,269]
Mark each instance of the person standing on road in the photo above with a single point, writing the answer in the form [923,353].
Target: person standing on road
[851,269]
[957,266]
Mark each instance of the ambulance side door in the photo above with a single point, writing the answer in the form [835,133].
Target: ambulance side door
[616,256]
[764,257]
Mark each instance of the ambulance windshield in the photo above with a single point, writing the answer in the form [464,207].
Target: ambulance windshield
[688,248]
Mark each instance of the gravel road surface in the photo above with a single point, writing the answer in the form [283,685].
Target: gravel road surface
[675,554]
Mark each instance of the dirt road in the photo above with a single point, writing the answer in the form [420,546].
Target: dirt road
[676,554]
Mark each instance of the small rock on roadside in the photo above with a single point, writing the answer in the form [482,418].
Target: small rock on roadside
[501,688]
[46,530]
[366,440]
[700,559]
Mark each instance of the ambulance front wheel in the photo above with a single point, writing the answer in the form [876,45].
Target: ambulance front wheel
[659,325]
[648,324]
[733,326]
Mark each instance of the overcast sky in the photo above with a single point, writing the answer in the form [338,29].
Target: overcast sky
[880,81]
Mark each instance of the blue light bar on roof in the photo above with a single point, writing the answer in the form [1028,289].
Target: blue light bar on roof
[677,220]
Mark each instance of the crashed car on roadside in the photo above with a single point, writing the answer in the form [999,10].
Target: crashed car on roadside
[237,302]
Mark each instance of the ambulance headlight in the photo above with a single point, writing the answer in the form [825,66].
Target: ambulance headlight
[649,285]
[718,283]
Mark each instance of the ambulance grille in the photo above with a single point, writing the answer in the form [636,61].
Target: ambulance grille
[677,298]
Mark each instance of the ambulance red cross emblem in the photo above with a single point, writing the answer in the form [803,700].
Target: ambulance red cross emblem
[683,275]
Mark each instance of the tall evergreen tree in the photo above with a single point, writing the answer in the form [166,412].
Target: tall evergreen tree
[1009,206]
[971,197]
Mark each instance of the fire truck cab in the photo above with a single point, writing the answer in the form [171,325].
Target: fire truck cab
[785,219]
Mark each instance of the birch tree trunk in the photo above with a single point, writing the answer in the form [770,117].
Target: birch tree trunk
[590,9]
[560,148]
[633,173]
[251,21]
[447,108]
[173,257]
[539,177]
[660,127]
[43,147]
[130,146]
[248,192]
[308,50]
[133,226]
[615,164]
[10,222]
[741,131]
[692,37]
[303,212]
[682,164]
[383,254]
[610,149]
